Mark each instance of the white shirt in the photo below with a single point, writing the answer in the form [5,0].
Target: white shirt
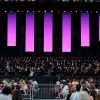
[75,96]
[83,95]
[97,90]
[31,73]
[35,83]
[5,97]
[65,91]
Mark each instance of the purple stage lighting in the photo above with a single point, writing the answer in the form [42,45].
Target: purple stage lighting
[99,27]
[66,32]
[48,31]
[11,29]
[85,30]
[29,36]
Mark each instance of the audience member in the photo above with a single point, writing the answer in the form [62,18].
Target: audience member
[17,95]
[6,94]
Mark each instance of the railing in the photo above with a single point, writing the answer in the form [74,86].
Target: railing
[41,91]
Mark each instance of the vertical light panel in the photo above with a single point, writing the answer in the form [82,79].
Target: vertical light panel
[11,29]
[99,26]
[29,37]
[48,31]
[85,30]
[66,32]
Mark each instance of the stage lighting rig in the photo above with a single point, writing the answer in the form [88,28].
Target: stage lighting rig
[19,0]
[79,0]
[65,0]
[89,0]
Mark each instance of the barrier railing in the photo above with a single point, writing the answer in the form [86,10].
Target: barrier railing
[41,91]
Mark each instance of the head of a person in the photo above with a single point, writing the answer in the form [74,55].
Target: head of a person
[91,80]
[6,91]
[96,85]
[72,89]
[22,83]
[17,95]
[84,88]
[78,87]
[92,85]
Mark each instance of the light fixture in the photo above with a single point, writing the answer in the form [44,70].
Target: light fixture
[51,10]
[87,11]
[96,11]
[65,0]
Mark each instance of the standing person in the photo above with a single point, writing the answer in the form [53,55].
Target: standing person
[75,95]
[23,87]
[6,92]
[71,91]
[84,94]
[98,96]
[17,95]
[93,92]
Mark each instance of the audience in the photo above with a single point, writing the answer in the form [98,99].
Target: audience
[51,66]
[67,89]
[83,89]
[80,90]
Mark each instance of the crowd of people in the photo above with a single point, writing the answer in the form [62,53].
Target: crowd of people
[77,89]
[70,89]
[16,89]
[51,66]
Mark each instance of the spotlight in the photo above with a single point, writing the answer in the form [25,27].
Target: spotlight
[65,0]
[89,0]
[76,0]
[96,11]
[87,11]
[21,0]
